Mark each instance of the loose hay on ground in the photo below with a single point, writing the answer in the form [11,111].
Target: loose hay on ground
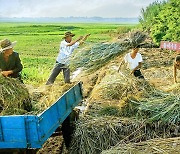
[165,146]
[142,100]
[116,86]
[175,88]
[95,134]
[162,107]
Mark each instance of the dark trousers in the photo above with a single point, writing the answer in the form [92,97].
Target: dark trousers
[55,72]
[137,73]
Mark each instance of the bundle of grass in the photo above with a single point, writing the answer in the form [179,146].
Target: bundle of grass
[175,89]
[101,54]
[135,38]
[49,95]
[97,56]
[149,45]
[137,98]
[160,107]
[135,121]
[14,97]
[94,134]
[169,145]
[116,86]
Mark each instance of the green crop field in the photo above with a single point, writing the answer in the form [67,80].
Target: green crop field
[38,44]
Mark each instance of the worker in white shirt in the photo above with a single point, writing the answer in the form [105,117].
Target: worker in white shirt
[134,61]
[67,47]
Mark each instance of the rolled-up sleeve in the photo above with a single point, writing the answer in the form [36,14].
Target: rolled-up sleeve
[76,45]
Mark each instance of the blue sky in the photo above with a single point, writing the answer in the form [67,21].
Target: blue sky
[76,8]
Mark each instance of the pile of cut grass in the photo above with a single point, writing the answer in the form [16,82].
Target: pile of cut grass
[94,134]
[174,88]
[45,96]
[162,107]
[146,113]
[14,97]
[169,145]
[137,98]
[115,86]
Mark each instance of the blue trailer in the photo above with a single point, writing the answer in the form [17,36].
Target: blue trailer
[32,131]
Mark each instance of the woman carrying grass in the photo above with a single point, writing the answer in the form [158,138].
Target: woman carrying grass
[134,61]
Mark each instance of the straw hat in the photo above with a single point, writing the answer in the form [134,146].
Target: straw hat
[68,34]
[6,44]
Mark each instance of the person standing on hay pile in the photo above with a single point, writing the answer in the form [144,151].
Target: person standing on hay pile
[10,63]
[134,61]
[67,47]
[176,66]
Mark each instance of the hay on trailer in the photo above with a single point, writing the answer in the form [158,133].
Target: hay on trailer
[88,80]
[94,134]
[45,95]
[166,146]
[101,54]
[14,97]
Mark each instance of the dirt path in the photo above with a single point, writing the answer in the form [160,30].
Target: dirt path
[158,67]
[54,145]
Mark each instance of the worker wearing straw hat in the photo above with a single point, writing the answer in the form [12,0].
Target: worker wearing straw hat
[10,63]
[67,47]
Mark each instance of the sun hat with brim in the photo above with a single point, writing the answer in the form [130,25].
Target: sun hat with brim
[7,44]
[68,34]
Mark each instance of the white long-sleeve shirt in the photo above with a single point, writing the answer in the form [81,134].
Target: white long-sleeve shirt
[65,52]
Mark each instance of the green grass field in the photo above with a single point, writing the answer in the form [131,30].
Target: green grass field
[38,44]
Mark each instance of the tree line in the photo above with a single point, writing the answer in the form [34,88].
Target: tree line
[162,20]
